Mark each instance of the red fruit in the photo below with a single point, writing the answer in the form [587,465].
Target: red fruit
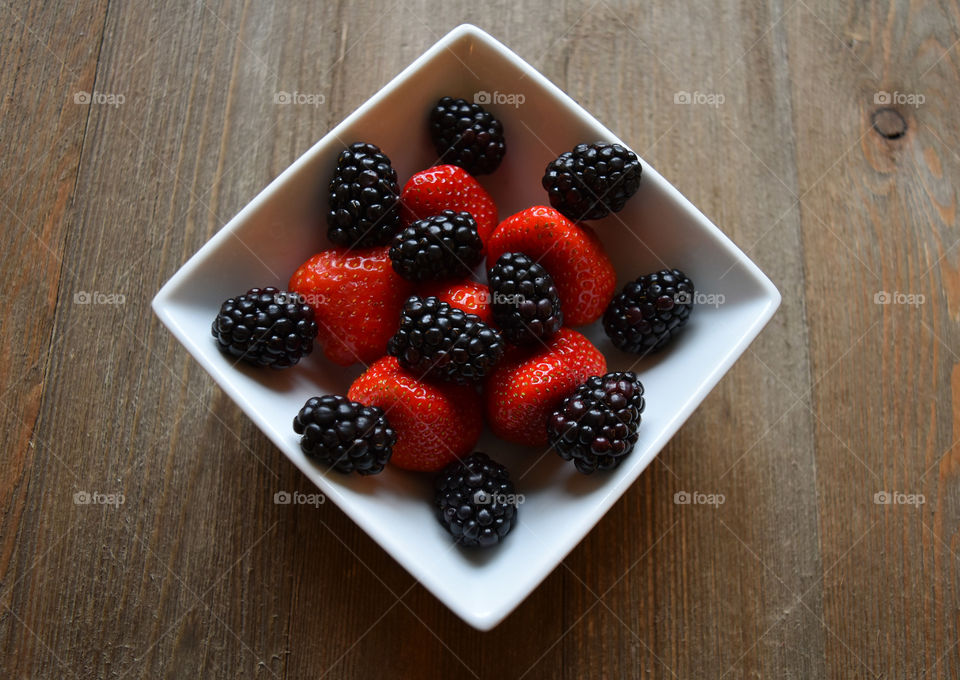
[527,385]
[470,296]
[571,253]
[447,187]
[356,297]
[435,423]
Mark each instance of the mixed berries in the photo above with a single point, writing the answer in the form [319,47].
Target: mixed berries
[436,422]
[446,351]
[570,252]
[529,383]
[448,187]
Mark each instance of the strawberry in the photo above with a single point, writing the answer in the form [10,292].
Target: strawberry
[471,296]
[447,187]
[571,253]
[356,298]
[435,423]
[528,384]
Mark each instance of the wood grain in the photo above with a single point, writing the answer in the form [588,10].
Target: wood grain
[43,129]
[834,192]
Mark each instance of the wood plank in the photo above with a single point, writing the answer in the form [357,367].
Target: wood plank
[43,116]
[880,219]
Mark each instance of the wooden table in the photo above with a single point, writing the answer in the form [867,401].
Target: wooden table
[132,133]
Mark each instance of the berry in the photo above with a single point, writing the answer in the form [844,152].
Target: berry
[593,180]
[596,426]
[467,135]
[470,296]
[649,312]
[476,501]
[364,208]
[447,187]
[265,327]
[435,423]
[443,246]
[571,253]
[436,340]
[525,302]
[527,385]
[357,297]
[344,435]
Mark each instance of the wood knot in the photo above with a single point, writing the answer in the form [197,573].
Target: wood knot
[888,123]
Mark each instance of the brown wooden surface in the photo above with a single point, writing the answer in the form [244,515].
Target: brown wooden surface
[799,574]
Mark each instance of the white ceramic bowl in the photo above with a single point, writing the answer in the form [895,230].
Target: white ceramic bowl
[284,225]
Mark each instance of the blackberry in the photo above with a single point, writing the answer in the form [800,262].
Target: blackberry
[524,299]
[344,435]
[364,208]
[435,339]
[467,135]
[443,246]
[265,327]
[649,312]
[593,180]
[596,426]
[476,501]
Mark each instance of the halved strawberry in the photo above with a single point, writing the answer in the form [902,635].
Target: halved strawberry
[356,298]
[571,253]
[435,423]
[529,383]
[447,187]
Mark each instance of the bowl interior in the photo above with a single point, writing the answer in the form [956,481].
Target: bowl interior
[284,225]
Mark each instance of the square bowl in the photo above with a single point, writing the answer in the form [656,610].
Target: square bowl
[281,228]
